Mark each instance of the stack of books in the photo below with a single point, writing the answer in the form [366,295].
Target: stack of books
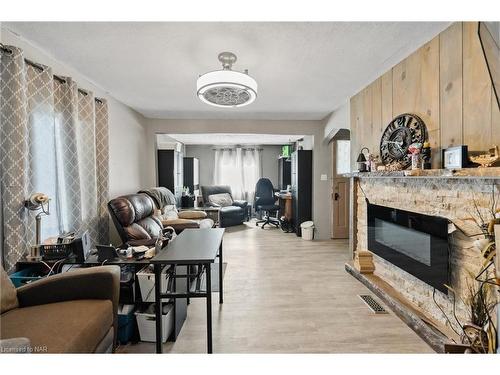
[364,262]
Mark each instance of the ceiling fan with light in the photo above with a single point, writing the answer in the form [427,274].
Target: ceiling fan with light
[227,88]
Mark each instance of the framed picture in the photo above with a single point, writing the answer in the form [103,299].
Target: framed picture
[455,157]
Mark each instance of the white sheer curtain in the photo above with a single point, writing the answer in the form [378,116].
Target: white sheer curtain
[251,170]
[240,168]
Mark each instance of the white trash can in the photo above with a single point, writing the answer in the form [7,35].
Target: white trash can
[307,229]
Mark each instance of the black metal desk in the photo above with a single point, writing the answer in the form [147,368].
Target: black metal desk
[191,247]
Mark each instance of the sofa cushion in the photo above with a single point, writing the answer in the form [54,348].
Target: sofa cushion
[143,205]
[62,327]
[187,222]
[222,199]
[207,190]
[240,203]
[192,215]
[136,232]
[122,210]
[231,210]
[152,225]
[8,293]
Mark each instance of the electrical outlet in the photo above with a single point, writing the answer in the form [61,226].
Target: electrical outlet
[324,177]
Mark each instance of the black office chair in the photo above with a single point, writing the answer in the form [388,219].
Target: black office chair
[265,202]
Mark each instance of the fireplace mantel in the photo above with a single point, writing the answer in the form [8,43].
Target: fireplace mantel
[492,173]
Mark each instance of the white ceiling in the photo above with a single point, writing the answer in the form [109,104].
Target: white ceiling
[304,70]
[229,139]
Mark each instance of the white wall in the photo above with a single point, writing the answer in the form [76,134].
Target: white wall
[321,153]
[270,155]
[127,150]
[206,156]
[339,119]
[127,133]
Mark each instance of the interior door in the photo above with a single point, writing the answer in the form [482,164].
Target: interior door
[340,189]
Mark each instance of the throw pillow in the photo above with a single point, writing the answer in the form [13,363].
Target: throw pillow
[222,199]
[8,293]
[170,212]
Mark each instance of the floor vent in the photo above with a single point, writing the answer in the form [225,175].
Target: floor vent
[372,304]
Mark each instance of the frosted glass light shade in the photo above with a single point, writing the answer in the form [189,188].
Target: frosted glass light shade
[226,88]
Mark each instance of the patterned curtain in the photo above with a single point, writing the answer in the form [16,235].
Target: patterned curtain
[54,140]
[102,165]
[13,153]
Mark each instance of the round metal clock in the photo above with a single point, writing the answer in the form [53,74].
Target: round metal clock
[404,130]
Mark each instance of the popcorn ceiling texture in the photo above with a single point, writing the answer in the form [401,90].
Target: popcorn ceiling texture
[449,198]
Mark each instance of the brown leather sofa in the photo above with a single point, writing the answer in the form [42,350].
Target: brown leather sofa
[73,312]
[138,223]
[165,201]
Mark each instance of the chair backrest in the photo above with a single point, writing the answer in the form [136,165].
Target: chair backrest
[133,216]
[264,192]
[208,190]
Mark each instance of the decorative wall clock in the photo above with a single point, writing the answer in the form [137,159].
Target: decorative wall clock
[404,130]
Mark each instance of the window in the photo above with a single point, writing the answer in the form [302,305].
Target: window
[240,168]
[343,157]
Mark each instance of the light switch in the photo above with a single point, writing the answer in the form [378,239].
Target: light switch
[324,177]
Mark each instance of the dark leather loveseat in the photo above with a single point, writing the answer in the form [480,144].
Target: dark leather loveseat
[233,214]
[138,223]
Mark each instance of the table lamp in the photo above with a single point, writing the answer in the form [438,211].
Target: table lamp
[362,160]
[38,202]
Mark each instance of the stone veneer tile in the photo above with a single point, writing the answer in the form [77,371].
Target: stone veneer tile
[449,198]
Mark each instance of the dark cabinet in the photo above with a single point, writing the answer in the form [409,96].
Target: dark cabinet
[170,172]
[301,178]
[284,173]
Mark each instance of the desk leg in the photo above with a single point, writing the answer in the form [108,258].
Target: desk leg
[221,267]
[158,309]
[209,308]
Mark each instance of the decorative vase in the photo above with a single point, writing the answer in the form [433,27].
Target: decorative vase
[415,161]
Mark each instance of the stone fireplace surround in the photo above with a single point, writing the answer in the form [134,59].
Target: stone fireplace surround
[436,194]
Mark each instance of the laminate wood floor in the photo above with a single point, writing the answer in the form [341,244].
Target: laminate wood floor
[286,295]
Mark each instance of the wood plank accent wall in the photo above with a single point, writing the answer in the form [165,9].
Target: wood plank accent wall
[446,83]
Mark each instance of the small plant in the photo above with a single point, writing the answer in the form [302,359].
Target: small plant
[480,332]
[481,303]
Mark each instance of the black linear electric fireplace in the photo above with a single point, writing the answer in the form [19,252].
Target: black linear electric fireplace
[413,242]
